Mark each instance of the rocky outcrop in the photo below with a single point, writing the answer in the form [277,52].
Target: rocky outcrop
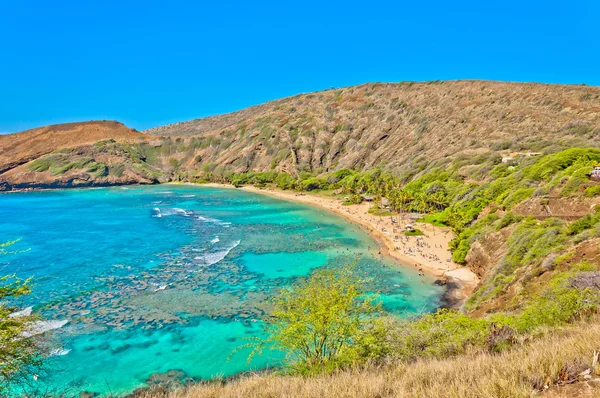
[486,252]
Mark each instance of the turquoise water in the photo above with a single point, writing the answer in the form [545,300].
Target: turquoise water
[137,281]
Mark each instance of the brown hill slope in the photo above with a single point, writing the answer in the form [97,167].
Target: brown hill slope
[19,148]
[396,125]
[73,154]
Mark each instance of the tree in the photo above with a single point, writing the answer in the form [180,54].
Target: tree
[19,349]
[324,323]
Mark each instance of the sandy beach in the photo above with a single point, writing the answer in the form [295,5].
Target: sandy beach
[428,254]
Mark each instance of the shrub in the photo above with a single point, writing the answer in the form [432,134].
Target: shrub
[583,223]
[551,164]
[592,191]
[508,219]
[117,169]
[98,169]
[556,304]
[438,335]
[517,196]
[313,183]
[40,165]
[285,181]
[324,323]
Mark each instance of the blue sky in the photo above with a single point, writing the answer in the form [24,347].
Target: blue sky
[148,63]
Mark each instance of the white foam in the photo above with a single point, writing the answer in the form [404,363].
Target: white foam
[215,240]
[213,220]
[59,352]
[23,312]
[160,287]
[188,196]
[158,213]
[215,257]
[40,327]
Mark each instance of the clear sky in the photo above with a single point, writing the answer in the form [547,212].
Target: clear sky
[148,63]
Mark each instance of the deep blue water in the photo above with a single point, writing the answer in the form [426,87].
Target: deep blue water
[158,278]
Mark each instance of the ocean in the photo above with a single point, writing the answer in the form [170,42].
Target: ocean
[142,283]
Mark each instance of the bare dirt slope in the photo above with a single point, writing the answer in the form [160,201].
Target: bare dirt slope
[20,148]
[398,126]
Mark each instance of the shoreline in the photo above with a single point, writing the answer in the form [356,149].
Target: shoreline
[431,257]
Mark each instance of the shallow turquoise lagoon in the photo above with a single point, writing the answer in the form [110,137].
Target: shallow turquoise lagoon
[139,281]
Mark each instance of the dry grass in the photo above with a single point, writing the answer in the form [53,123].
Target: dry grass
[395,125]
[521,372]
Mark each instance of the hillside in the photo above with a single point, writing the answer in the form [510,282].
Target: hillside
[398,126]
[68,155]
[20,148]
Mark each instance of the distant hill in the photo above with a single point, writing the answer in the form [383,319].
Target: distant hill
[66,155]
[19,148]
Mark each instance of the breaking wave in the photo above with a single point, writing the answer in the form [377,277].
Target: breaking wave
[40,327]
[23,312]
[59,352]
[213,220]
[158,213]
[215,257]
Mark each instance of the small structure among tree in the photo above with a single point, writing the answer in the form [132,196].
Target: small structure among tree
[368,198]
[595,174]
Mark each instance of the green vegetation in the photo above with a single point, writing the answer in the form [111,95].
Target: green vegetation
[541,296]
[344,328]
[139,157]
[19,353]
[414,232]
[592,191]
[447,332]
[325,323]
[117,169]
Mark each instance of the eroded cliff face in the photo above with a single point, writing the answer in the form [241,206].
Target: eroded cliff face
[487,251]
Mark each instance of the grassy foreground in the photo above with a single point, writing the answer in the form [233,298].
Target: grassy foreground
[523,371]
